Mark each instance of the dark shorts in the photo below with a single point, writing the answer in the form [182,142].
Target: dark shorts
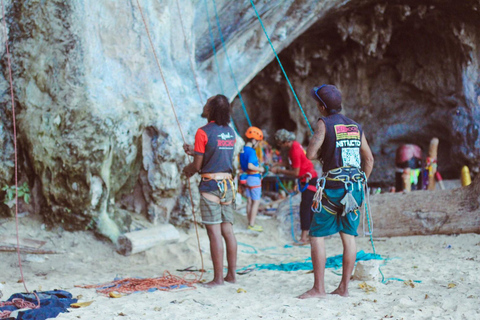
[330,220]
[215,213]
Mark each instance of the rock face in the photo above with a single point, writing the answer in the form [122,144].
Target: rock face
[408,72]
[98,141]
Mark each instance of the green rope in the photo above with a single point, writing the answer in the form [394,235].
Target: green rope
[229,64]
[281,66]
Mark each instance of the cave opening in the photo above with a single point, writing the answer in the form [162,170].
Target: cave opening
[408,72]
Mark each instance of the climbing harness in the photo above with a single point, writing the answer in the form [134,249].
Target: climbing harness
[223,180]
[348,176]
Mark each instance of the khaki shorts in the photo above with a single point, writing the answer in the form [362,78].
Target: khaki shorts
[215,213]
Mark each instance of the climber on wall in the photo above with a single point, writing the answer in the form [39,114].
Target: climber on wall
[303,169]
[213,159]
[344,152]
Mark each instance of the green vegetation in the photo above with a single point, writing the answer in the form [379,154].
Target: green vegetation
[23,191]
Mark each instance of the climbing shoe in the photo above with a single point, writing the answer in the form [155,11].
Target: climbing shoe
[255,228]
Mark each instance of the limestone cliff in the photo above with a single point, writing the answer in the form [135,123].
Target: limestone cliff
[98,141]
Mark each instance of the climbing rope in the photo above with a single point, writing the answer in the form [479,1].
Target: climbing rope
[229,64]
[290,196]
[281,67]
[167,282]
[181,131]
[10,78]
[213,47]
[212,40]
[189,54]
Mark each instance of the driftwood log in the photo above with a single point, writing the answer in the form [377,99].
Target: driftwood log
[138,241]
[427,212]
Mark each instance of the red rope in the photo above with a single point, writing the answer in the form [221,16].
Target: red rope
[18,303]
[130,285]
[180,128]
[15,151]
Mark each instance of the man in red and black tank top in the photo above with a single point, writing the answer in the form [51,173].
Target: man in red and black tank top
[213,158]
[343,147]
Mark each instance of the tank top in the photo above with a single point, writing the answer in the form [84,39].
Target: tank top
[343,139]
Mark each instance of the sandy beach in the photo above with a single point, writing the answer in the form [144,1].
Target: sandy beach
[447,267]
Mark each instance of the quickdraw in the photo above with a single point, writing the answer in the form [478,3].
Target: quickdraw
[317,198]
[307,180]
[223,188]
[350,205]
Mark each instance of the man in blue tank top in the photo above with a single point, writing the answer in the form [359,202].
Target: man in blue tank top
[213,159]
[340,143]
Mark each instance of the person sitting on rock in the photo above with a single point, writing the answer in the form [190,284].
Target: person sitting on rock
[344,152]
[250,166]
[303,169]
[213,159]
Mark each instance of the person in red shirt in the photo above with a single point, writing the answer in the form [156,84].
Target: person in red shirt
[303,169]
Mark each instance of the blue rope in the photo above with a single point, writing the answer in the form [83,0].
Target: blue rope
[216,60]
[229,64]
[281,66]
[290,195]
[331,262]
[213,47]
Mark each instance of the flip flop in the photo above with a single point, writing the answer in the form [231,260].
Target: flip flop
[245,271]
[300,244]
[189,269]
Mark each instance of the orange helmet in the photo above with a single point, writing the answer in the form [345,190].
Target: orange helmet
[254,133]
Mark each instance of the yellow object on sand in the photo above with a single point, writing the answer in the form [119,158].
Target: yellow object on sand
[465,176]
[115,295]
[81,304]
[367,288]
[240,290]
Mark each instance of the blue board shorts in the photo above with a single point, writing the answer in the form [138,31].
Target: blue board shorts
[330,220]
[254,187]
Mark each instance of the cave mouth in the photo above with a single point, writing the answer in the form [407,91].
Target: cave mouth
[403,69]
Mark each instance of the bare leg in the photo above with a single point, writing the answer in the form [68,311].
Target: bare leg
[216,251]
[318,260]
[253,212]
[349,257]
[231,243]
[304,236]
[249,209]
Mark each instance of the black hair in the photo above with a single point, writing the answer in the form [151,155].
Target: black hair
[219,110]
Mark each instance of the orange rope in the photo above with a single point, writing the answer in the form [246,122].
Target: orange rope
[180,128]
[130,285]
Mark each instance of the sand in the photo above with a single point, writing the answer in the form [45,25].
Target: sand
[447,266]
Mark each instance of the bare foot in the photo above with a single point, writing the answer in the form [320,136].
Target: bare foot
[313,293]
[230,278]
[213,283]
[340,292]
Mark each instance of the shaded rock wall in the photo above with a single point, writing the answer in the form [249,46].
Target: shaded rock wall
[97,137]
[408,71]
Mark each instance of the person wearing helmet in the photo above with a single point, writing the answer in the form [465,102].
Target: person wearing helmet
[340,143]
[250,165]
[303,169]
